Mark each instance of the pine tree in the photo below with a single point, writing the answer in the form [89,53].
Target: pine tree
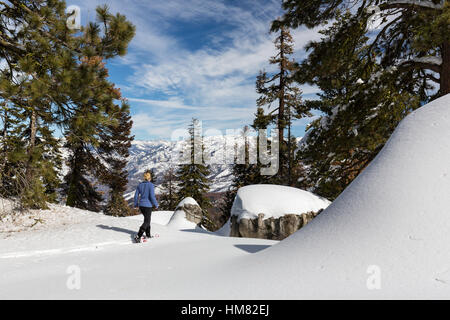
[33,43]
[114,150]
[193,177]
[82,136]
[79,186]
[361,107]
[13,151]
[280,88]
[227,204]
[370,79]
[48,82]
[412,41]
[97,119]
[169,196]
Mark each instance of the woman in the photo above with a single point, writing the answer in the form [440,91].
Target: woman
[145,199]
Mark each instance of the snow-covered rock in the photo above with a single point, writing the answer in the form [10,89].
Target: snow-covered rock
[187,215]
[188,200]
[272,212]
[274,201]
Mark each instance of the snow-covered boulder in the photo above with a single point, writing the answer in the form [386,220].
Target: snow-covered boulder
[272,212]
[187,215]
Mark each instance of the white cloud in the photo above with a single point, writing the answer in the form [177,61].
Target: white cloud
[173,103]
[213,83]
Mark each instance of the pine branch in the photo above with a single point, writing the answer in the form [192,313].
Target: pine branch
[382,33]
[43,32]
[12,46]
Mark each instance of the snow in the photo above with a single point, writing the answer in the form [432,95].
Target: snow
[187,200]
[390,225]
[394,217]
[431,59]
[178,220]
[43,219]
[6,208]
[225,230]
[274,201]
[422,3]
[36,264]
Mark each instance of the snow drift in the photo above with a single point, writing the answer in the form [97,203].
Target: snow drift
[391,225]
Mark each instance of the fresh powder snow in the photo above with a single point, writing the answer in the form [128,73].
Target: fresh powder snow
[385,237]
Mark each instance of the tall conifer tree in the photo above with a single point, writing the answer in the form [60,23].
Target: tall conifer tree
[115,143]
[96,115]
[279,88]
[193,177]
[48,81]
[169,196]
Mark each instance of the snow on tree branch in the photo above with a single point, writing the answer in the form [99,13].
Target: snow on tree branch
[421,3]
[430,60]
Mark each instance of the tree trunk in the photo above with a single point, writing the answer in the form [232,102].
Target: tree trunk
[33,130]
[281,104]
[445,69]
[289,148]
[5,146]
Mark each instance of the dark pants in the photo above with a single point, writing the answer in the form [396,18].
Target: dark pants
[147,212]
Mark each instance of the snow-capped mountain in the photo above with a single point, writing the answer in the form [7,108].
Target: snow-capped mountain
[160,155]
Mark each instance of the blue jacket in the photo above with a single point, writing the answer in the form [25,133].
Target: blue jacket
[146,191]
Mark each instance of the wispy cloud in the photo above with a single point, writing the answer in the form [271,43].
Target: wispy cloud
[196,58]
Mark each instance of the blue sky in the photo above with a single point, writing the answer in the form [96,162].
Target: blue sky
[195,58]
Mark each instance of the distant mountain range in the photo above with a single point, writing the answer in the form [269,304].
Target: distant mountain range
[158,155]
